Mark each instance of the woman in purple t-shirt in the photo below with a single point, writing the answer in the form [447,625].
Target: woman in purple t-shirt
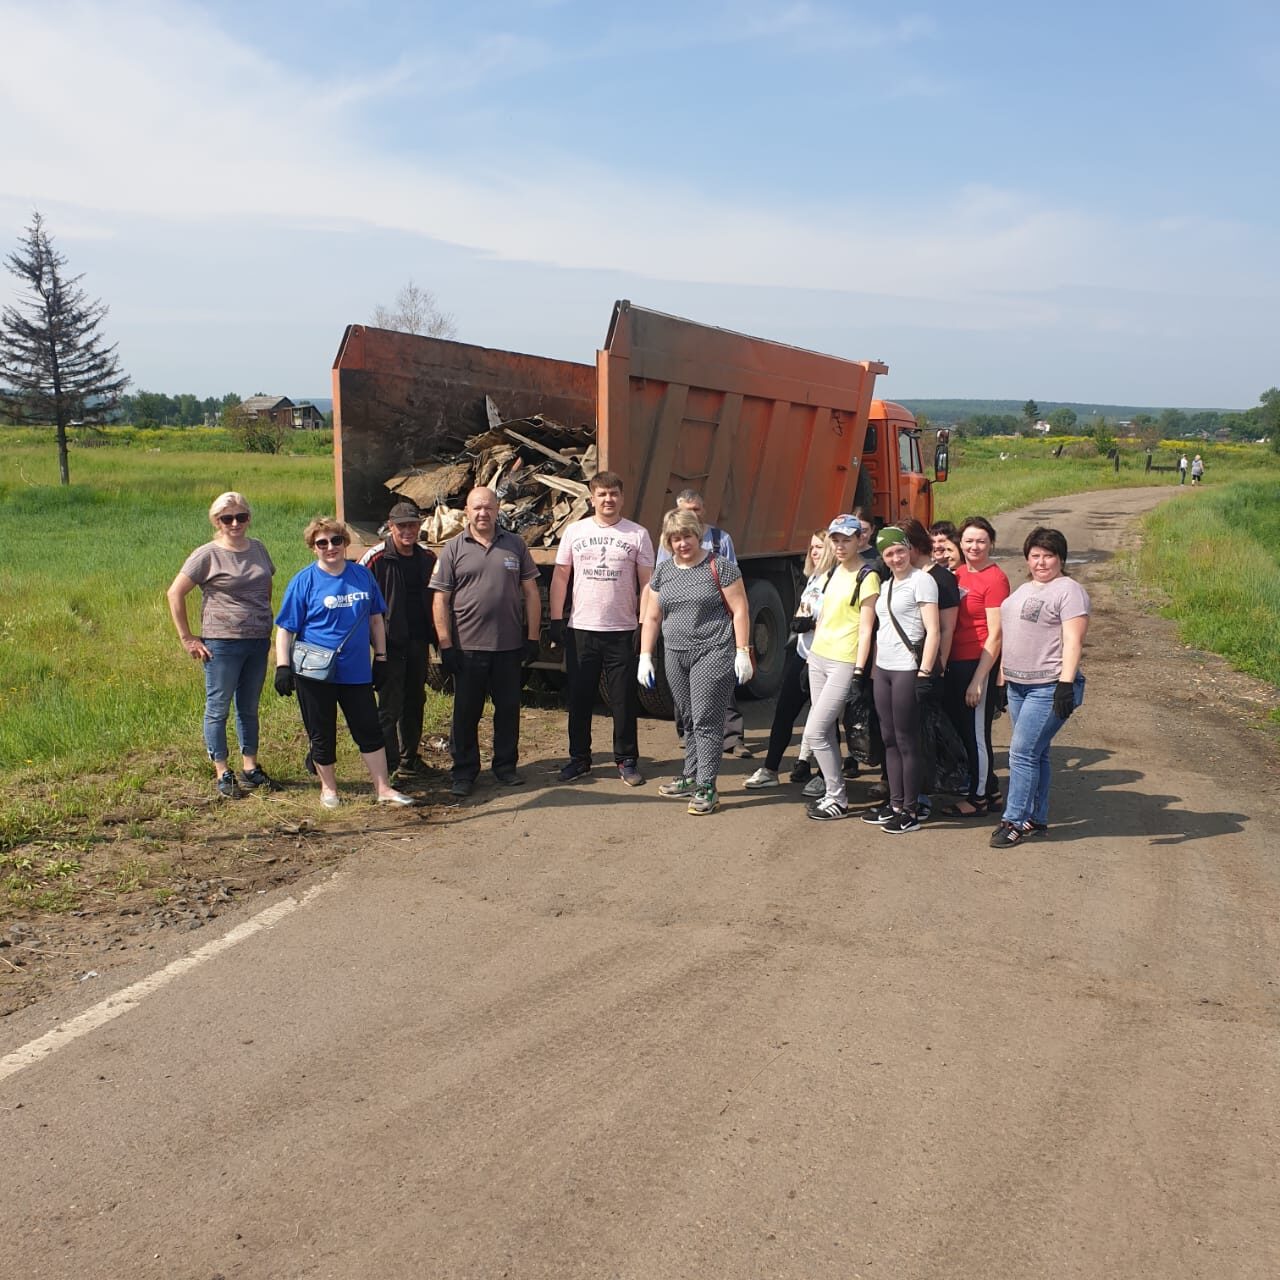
[1043,625]
[234,575]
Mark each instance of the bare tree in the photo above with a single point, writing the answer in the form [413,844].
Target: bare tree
[416,311]
[53,364]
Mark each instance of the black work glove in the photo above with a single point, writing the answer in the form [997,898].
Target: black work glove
[926,689]
[1064,699]
[284,681]
[451,660]
[555,632]
[1000,700]
[799,625]
[531,650]
[379,672]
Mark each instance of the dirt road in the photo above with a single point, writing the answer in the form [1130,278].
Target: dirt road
[573,1031]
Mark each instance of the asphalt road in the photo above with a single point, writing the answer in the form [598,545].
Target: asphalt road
[573,1031]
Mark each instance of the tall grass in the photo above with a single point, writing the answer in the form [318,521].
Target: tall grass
[90,669]
[990,475]
[1221,576]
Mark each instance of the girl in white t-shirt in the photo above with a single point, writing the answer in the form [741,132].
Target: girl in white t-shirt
[907,640]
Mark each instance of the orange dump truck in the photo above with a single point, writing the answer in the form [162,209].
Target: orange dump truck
[776,438]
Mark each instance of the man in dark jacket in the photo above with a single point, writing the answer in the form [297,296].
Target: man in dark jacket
[402,568]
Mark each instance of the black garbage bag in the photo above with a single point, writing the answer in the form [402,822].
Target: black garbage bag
[861,727]
[946,764]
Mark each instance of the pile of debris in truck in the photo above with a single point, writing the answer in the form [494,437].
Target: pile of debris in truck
[537,467]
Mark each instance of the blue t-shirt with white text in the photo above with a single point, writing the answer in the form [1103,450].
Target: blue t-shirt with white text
[320,608]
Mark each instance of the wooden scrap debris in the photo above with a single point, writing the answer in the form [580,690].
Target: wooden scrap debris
[536,466]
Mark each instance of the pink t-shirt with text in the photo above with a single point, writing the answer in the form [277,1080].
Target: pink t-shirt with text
[605,560]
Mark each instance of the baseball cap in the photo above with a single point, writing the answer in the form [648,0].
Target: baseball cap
[404,511]
[849,526]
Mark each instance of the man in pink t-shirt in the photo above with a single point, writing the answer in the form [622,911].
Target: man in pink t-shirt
[607,560]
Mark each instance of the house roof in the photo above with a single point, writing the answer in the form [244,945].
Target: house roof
[265,404]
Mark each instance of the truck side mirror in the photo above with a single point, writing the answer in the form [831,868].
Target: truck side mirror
[941,456]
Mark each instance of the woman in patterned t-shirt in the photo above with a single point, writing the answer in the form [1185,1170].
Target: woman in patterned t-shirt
[700,604]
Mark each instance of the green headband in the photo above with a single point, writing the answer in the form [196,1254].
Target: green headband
[889,537]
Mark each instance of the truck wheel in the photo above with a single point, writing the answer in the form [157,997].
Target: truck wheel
[658,702]
[769,634]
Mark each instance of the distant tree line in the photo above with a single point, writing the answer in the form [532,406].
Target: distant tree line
[1169,424]
[155,409]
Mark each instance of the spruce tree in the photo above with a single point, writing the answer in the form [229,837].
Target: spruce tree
[54,366]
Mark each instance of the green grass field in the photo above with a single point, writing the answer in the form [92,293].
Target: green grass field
[100,708]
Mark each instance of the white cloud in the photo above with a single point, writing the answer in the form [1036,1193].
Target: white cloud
[161,113]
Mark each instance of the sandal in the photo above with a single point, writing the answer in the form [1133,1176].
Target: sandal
[1007,834]
[977,809]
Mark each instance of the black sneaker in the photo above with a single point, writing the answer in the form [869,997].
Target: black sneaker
[252,779]
[827,810]
[509,777]
[576,767]
[462,787]
[228,787]
[630,773]
[879,815]
[901,822]
[850,767]
[802,771]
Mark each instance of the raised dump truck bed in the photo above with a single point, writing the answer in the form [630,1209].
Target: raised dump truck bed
[771,435]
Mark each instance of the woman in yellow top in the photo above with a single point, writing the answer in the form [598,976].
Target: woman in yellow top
[839,655]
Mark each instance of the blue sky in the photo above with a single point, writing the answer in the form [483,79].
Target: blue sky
[998,201]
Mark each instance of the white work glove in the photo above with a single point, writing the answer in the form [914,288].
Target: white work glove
[645,673]
[742,665]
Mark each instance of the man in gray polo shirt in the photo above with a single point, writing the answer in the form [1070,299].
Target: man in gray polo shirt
[480,582]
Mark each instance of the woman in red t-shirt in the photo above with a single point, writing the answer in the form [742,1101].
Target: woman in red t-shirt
[969,684]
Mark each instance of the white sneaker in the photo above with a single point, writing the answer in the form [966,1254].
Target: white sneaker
[760,779]
[816,786]
[330,799]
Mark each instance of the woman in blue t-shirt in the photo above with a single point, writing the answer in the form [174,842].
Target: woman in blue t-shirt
[337,605]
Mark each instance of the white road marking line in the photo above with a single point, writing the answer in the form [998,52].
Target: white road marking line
[113,1006]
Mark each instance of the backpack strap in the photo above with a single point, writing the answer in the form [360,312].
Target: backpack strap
[715,573]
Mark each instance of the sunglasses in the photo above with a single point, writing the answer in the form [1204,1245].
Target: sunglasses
[324,544]
[236,517]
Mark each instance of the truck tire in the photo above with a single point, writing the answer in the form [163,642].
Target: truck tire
[770,631]
[657,702]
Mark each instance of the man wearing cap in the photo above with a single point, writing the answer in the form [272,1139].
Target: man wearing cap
[402,568]
[488,617]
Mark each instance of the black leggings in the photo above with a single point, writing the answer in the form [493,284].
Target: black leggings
[319,700]
[792,696]
[974,726]
[899,712]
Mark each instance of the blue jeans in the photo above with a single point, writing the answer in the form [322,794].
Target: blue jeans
[1034,726]
[237,669]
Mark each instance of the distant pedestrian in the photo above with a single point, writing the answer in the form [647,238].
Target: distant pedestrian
[1182,469]
[606,561]
[234,575]
[402,568]
[1197,469]
[488,617]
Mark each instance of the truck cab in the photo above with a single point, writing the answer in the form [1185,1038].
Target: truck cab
[892,482]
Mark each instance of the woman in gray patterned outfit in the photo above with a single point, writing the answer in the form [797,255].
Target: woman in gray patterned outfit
[700,604]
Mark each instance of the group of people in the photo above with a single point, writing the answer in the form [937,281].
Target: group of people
[1196,467]
[895,620]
